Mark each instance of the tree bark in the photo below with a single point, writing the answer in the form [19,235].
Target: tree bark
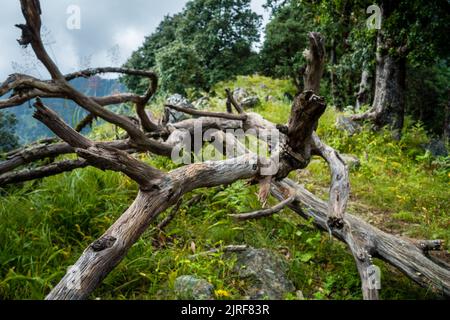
[389,99]
[363,95]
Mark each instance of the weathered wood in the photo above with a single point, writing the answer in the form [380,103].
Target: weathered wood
[315,58]
[399,252]
[98,155]
[201,113]
[94,265]
[43,151]
[263,213]
[41,172]
[232,101]
[305,114]
[160,191]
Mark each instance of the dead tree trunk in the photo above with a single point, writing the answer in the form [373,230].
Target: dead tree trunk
[159,190]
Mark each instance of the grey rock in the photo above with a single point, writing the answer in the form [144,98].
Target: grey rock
[202,103]
[351,161]
[265,274]
[250,102]
[437,148]
[348,125]
[179,101]
[240,94]
[245,99]
[193,288]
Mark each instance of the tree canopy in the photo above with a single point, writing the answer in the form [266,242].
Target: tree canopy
[411,30]
[214,38]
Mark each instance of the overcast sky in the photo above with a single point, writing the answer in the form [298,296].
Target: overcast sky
[110,31]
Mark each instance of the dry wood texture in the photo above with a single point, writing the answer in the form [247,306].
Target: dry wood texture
[160,190]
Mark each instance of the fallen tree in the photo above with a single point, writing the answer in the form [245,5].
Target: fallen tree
[295,145]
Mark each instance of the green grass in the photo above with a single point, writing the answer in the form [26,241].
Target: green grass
[45,225]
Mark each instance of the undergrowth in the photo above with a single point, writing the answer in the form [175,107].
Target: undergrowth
[399,187]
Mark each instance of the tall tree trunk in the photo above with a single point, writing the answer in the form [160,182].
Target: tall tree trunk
[389,101]
[388,106]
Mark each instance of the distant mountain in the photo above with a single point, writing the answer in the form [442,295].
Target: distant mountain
[29,129]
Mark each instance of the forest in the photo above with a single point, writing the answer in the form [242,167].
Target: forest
[303,156]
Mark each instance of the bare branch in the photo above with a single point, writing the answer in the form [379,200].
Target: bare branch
[231,100]
[340,182]
[315,57]
[402,254]
[201,113]
[42,172]
[140,101]
[263,213]
[167,220]
[100,156]
[98,260]
[31,34]
[43,150]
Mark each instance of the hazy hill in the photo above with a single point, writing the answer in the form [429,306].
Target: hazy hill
[28,129]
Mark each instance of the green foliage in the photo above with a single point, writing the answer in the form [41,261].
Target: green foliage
[420,26]
[214,38]
[145,57]
[179,67]
[8,139]
[415,29]
[427,94]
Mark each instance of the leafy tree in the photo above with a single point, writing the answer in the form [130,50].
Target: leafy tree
[285,38]
[8,139]
[180,67]
[414,33]
[221,32]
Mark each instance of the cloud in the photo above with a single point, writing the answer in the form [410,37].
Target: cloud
[107,26]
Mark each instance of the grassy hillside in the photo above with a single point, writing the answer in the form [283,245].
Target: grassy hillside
[399,187]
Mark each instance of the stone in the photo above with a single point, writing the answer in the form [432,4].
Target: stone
[437,148]
[245,99]
[250,102]
[351,161]
[265,274]
[193,288]
[202,103]
[179,101]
